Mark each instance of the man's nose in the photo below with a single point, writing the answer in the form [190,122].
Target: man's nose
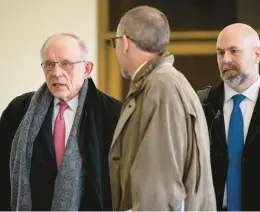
[57,70]
[227,57]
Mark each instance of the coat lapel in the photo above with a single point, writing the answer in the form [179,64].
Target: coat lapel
[219,130]
[254,126]
[47,130]
[218,125]
[43,146]
[127,111]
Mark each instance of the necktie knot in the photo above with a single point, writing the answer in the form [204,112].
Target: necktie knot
[63,106]
[238,98]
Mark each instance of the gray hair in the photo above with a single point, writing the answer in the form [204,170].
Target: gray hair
[147,27]
[81,43]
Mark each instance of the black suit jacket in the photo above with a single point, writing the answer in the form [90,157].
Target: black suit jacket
[99,119]
[213,108]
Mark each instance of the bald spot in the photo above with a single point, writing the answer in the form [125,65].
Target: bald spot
[237,35]
[62,45]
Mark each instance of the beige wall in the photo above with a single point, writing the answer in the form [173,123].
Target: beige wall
[25,24]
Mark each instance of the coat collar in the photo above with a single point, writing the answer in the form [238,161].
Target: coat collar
[138,82]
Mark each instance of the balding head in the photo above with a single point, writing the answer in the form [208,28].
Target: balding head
[238,55]
[57,37]
[237,34]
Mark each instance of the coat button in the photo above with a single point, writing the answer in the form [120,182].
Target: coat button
[117,158]
[214,154]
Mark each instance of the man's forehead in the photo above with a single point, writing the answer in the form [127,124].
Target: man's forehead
[228,47]
[231,43]
[63,44]
[62,40]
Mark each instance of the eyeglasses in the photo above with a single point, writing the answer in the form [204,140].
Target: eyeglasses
[113,40]
[64,64]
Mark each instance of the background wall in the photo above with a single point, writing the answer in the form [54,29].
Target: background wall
[25,24]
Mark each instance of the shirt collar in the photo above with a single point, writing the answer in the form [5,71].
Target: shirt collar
[73,104]
[251,93]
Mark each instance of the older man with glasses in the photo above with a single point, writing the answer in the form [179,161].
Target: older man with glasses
[55,141]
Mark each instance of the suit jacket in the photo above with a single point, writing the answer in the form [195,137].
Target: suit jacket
[213,108]
[99,118]
[160,150]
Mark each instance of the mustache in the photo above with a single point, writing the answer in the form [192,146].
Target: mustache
[57,80]
[229,66]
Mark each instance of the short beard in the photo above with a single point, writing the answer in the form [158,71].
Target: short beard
[236,81]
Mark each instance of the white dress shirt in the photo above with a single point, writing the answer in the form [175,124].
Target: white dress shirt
[247,107]
[69,115]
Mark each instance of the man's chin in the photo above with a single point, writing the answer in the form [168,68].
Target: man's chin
[235,82]
[61,95]
[229,75]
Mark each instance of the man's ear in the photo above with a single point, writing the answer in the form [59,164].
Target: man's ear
[257,54]
[88,69]
[126,43]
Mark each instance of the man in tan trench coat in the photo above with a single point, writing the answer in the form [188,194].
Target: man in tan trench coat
[159,158]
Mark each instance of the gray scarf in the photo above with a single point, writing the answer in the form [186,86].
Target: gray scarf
[69,181]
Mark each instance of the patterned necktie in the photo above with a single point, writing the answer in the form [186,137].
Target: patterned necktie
[235,151]
[59,133]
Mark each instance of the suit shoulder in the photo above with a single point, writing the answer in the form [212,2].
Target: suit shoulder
[23,98]
[205,88]
[168,74]
[109,101]
[169,79]
[204,93]
[12,116]
[19,104]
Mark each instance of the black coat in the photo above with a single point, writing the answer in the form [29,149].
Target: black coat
[100,116]
[213,108]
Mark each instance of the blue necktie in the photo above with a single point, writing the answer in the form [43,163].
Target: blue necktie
[235,151]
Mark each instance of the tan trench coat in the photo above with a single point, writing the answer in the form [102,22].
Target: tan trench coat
[159,156]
